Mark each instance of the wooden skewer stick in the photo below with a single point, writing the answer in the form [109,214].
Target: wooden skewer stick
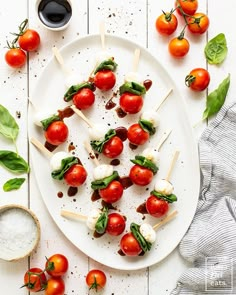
[82,116]
[174,159]
[102,34]
[136,59]
[60,60]
[41,147]
[163,99]
[91,153]
[163,139]
[165,220]
[73,215]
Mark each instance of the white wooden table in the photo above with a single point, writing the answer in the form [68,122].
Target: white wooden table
[133,19]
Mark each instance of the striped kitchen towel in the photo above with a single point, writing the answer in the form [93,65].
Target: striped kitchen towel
[210,243]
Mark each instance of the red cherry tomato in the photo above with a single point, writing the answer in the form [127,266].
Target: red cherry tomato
[96,279]
[198,79]
[129,245]
[113,147]
[29,40]
[112,193]
[105,80]
[131,103]
[156,207]
[115,224]
[75,175]
[35,280]
[84,99]
[56,133]
[136,135]
[140,175]
[198,23]
[166,23]
[56,265]
[188,6]
[15,57]
[178,47]
[55,286]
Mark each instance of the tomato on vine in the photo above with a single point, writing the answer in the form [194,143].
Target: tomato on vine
[166,23]
[56,265]
[55,286]
[179,46]
[35,280]
[15,57]
[188,7]
[198,79]
[198,23]
[96,279]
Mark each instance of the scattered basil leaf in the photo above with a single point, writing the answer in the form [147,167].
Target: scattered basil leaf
[216,49]
[216,99]
[101,224]
[147,126]
[132,87]
[75,88]
[144,162]
[13,184]
[103,183]
[46,122]
[13,162]
[106,65]
[8,126]
[134,228]
[65,165]
[97,145]
[169,198]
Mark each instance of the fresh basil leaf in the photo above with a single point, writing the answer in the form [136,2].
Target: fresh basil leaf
[13,184]
[134,228]
[216,49]
[147,126]
[13,162]
[169,198]
[101,224]
[46,122]
[8,126]
[106,65]
[132,87]
[65,165]
[75,88]
[97,145]
[216,99]
[103,183]
[144,162]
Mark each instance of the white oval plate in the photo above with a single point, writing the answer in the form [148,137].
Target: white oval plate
[48,96]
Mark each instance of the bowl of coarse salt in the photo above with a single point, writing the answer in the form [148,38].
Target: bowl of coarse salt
[19,232]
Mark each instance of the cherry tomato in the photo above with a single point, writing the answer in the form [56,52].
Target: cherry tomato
[115,224]
[198,79]
[140,175]
[166,23]
[136,135]
[131,103]
[29,40]
[84,99]
[75,175]
[198,23]
[15,57]
[55,286]
[112,193]
[178,47]
[113,147]
[35,280]
[156,207]
[188,6]
[56,133]
[56,265]
[105,80]
[129,245]
[96,279]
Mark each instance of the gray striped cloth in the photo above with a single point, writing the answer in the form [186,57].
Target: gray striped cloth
[210,243]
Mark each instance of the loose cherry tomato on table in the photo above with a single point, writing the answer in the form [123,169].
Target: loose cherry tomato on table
[166,23]
[15,57]
[75,175]
[129,245]
[156,207]
[84,99]
[112,193]
[55,286]
[115,224]
[198,79]
[96,279]
[188,6]
[35,280]
[56,265]
[113,147]
[105,80]
[131,103]
[136,135]
[29,40]
[179,47]
[198,23]
[140,175]
[56,133]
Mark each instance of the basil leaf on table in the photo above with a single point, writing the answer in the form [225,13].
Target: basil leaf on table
[216,99]
[13,162]
[13,184]
[169,198]
[104,182]
[216,49]
[8,126]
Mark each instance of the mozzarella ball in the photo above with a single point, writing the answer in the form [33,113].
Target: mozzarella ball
[102,56]
[39,116]
[102,171]
[151,116]
[148,232]
[133,77]
[73,79]
[93,218]
[164,187]
[97,132]
[152,155]
[55,161]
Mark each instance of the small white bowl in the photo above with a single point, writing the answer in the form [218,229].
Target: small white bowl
[19,232]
